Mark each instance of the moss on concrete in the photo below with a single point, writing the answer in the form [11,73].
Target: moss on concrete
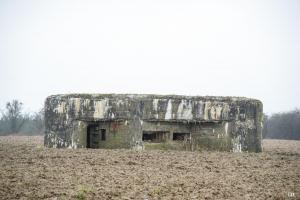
[212,143]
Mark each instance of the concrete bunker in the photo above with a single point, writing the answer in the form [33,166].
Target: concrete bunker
[135,121]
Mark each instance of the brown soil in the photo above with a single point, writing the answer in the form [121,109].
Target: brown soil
[30,171]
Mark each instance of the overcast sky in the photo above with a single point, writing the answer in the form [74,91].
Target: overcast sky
[229,48]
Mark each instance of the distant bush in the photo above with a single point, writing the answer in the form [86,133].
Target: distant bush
[283,125]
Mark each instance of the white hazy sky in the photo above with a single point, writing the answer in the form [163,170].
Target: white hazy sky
[212,47]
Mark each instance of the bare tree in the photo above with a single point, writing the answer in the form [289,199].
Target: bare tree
[38,119]
[13,116]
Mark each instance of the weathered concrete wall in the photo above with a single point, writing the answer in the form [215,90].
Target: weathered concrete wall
[125,117]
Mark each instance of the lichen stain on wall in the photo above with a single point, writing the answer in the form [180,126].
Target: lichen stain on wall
[185,110]
[169,114]
[199,109]
[76,104]
[207,108]
[155,104]
[101,108]
[236,144]
[60,108]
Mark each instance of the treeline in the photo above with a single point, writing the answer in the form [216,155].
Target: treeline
[14,121]
[283,125]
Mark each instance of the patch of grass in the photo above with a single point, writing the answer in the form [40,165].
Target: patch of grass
[39,146]
[155,192]
[82,192]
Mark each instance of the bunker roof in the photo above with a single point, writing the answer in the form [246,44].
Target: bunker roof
[152,96]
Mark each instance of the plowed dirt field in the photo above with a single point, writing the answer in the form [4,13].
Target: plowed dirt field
[30,171]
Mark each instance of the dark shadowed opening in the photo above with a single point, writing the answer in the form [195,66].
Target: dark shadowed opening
[181,136]
[88,137]
[154,136]
[94,136]
[103,134]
